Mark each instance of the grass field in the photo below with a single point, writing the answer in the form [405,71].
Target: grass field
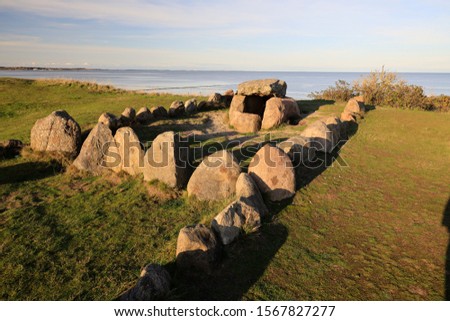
[371,230]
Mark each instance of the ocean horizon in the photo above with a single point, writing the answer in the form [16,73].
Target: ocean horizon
[199,82]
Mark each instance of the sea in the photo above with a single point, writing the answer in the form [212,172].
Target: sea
[300,84]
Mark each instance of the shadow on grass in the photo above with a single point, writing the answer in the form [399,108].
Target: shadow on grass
[28,171]
[446,223]
[243,263]
[309,106]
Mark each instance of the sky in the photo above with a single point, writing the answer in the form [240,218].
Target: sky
[283,35]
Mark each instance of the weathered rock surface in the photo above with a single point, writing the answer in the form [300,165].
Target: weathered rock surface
[227,97]
[355,107]
[241,121]
[109,120]
[359,99]
[299,150]
[263,87]
[246,123]
[167,160]
[144,116]
[202,105]
[229,92]
[334,124]
[198,250]
[320,136]
[159,112]
[273,173]
[58,132]
[129,149]
[347,117]
[228,224]
[10,148]
[127,117]
[92,157]
[153,284]
[215,98]
[278,111]
[215,178]
[176,109]
[190,106]
[248,191]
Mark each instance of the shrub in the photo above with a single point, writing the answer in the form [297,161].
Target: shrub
[439,103]
[340,92]
[384,88]
[376,87]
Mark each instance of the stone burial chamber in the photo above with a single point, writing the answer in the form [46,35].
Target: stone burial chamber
[261,104]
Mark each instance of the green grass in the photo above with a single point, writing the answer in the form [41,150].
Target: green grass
[29,100]
[372,230]
[369,231]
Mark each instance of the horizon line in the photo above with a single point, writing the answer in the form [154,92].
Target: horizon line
[30,68]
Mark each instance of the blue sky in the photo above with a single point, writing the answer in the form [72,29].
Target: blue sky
[299,35]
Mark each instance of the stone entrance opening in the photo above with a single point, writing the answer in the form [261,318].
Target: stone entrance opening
[255,105]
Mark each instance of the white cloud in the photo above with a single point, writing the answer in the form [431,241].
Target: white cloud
[222,59]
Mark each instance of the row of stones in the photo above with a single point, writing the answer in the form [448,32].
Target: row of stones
[199,247]
[177,109]
[270,172]
[59,132]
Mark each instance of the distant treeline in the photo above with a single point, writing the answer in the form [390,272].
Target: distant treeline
[41,68]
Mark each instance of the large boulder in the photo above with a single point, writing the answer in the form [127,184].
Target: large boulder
[129,149]
[229,223]
[215,98]
[242,121]
[127,117]
[248,192]
[93,154]
[144,116]
[227,97]
[334,124]
[190,106]
[159,112]
[299,150]
[246,123]
[215,178]
[359,99]
[278,111]
[109,120]
[153,284]
[355,107]
[167,160]
[320,136]
[198,250]
[58,132]
[347,117]
[176,109]
[203,105]
[273,172]
[263,87]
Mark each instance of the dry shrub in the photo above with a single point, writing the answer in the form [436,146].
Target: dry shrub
[340,92]
[386,89]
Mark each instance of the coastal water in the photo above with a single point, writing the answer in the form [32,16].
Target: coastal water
[300,84]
